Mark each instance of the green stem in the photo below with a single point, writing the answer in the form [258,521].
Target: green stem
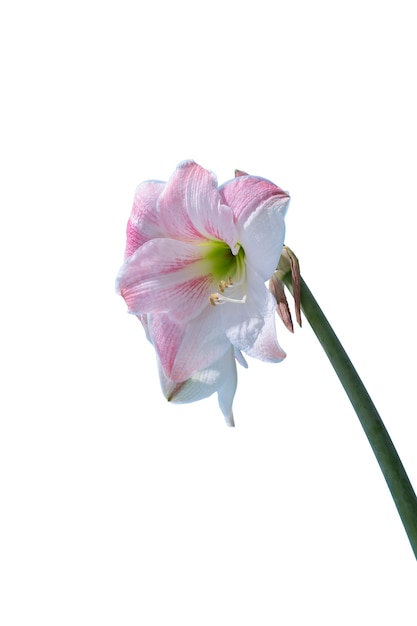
[384,450]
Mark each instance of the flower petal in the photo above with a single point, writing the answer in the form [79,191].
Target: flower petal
[190,209]
[250,327]
[165,274]
[184,349]
[263,230]
[143,223]
[259,208]
[243,321]
[245,194]
[266,346]
[240,358]
[220,376]
[227,390]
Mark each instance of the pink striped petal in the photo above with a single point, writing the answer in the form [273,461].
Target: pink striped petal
[185,349]
[165,274]
[190,209]
[245,194]
[259,207]
[143,223]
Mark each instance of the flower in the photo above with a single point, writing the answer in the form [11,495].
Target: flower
[196,261]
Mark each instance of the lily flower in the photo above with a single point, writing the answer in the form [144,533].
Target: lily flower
[196,262]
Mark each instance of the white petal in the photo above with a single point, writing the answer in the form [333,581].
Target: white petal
[250,327]
[262,238]
[266,346]
[220,376]
[240,358]
[185,349]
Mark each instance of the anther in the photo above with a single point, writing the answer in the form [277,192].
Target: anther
[219,298]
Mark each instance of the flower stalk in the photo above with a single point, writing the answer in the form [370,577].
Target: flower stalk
[381,443]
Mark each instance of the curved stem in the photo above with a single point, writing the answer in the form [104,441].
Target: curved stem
[384,450]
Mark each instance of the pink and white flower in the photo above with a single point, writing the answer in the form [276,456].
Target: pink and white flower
[196,262]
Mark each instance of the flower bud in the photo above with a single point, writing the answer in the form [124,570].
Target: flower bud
[276,287]
[288,262]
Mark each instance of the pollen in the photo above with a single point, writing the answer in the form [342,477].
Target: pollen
[224,285]
[219,298]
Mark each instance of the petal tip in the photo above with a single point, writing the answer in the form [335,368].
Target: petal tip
[230,420]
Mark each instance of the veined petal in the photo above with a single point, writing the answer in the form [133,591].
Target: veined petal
[245,194]
[143,318]
[262,237]
[259,208]
[165,274]
[220,376]
[193,194]
[185,349]
[143,223]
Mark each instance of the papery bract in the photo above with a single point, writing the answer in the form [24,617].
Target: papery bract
[197,258]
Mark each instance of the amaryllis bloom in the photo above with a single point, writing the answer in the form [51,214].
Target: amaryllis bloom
[196,262]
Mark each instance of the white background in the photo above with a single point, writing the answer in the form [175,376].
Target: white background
[116,507]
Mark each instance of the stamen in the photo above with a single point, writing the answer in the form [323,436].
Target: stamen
[219,298]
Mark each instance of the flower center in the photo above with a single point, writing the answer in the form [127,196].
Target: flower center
[229,270]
